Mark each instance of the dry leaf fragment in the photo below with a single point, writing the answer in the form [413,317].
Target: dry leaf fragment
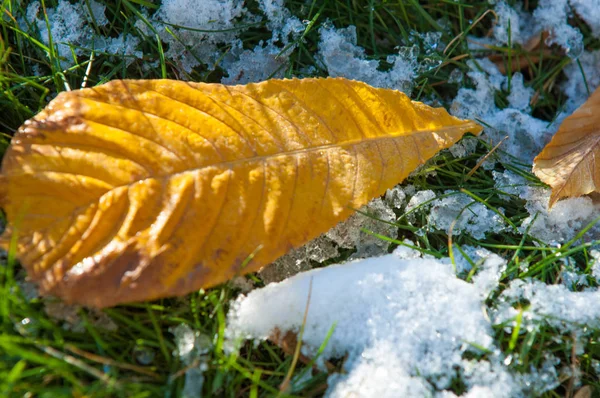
[570,163]
[136,190]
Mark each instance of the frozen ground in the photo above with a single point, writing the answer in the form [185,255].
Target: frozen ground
[410,326]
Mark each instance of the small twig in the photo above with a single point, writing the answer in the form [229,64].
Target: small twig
[483,159]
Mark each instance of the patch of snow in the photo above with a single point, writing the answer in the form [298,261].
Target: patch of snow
[527,135]
[552,16]
[98,13]
[281,21]
[513,23]
[401,323]
[420,200]
[467,215]
[261,63]
[395,197]
[558,224]
[589,11]
[71,31]
[575,85]
[464,147]
[489,267]
[342,57]
[520,96]
[554,305]
[213,22]
[572,279]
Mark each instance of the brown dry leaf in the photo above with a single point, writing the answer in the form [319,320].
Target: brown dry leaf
[136,190]
[570,163]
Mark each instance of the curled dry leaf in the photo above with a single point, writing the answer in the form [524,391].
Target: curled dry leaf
[136,190]
[570,163]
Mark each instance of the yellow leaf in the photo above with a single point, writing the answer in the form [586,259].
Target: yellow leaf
[136,190]
[570,163]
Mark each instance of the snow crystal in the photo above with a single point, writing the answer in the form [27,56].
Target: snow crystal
[343,57]
[401,324]
[467,215]
[268,59]
[348,234]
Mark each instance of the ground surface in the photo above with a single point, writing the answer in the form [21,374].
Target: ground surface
[525,304]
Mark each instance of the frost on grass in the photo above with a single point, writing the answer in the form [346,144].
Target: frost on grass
[464,215]
[342,57]
[72,31]
[404,326]
[192,348]
[560,223]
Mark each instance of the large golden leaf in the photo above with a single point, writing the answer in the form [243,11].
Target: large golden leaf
[136,190]
[570,163]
